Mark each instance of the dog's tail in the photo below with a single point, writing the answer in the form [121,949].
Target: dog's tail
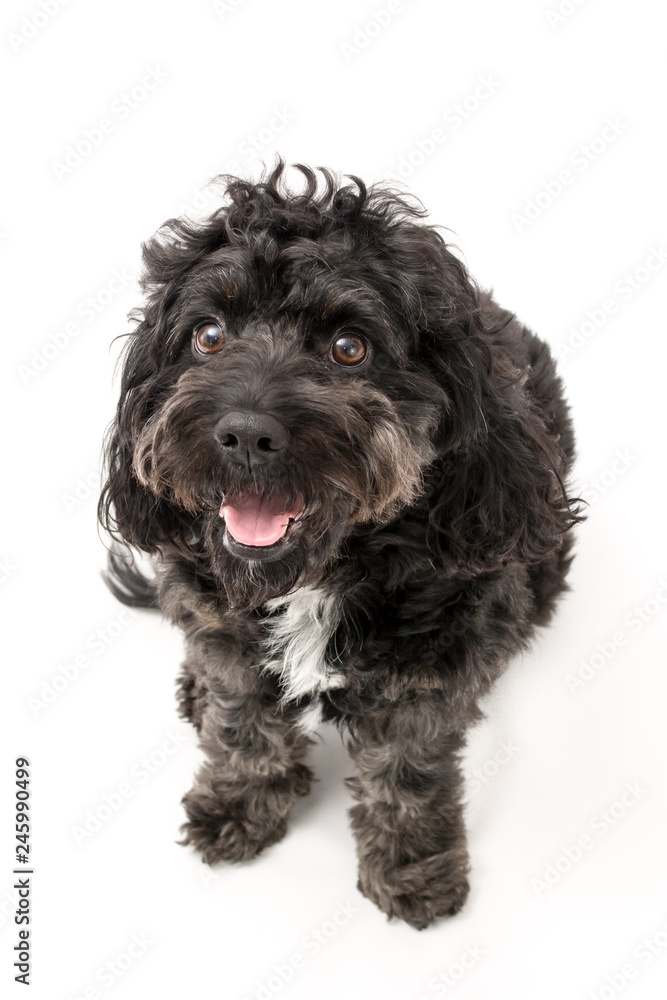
[127,583]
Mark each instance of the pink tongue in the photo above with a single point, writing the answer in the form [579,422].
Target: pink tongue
[254,520]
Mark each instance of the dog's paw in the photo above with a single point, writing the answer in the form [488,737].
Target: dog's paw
[235,825]
[225,832]
[420,892]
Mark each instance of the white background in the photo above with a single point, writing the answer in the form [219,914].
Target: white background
[365,110]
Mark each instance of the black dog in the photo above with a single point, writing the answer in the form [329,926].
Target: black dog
[350,464]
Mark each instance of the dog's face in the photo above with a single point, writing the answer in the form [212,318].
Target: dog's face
[290,405]
[300,363]
[289,411]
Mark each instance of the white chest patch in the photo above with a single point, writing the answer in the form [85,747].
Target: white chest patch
[298,640]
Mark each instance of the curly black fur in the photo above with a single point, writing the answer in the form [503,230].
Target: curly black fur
[434,533]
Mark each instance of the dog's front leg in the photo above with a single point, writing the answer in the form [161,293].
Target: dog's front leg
[254,771]
[413,859]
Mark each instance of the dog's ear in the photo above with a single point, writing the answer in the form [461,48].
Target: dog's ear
[501,497]
[128,510]
[431,289]
[496,491]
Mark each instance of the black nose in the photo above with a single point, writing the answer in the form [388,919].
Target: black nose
[251,438]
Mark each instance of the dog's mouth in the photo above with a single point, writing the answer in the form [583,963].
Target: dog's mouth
[259,527]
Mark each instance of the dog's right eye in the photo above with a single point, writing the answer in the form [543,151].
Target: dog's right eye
[349,350]
[208,338]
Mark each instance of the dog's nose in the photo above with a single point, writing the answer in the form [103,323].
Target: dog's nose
[251,438]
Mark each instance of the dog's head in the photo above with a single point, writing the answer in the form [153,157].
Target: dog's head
[305,362]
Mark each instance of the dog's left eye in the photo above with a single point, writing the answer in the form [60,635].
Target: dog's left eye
[208,338]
